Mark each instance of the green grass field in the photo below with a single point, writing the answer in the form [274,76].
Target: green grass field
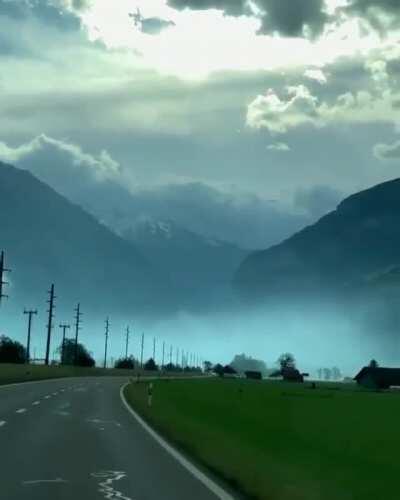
[277,441]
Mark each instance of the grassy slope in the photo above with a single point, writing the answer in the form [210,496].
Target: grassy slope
[283,442]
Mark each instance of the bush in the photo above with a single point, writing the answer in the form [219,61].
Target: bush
[150,365]
[83,357]
[11,351]
[125,363]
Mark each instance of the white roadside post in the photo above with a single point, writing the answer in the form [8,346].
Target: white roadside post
[150,394]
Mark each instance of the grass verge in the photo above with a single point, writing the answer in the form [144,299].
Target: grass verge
[276,441]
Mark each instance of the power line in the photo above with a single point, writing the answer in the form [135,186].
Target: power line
[78,321]
[64,328]
[127,342]
[50,322]
[106,343]
[141,351]
[28,341]
[3,270]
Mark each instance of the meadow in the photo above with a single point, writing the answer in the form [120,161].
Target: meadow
[280,441]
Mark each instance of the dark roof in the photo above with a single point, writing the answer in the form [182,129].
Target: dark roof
[390,376]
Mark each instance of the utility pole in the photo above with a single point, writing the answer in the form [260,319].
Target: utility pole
[50,322]
[141,351]
[28,342]
[127,342]
[154,349]
[163,354]
[64,328]
[2,271]
[177,357]
[170,355]
[78,315]
[106,343]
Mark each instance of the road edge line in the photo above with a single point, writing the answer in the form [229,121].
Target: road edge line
[189,466]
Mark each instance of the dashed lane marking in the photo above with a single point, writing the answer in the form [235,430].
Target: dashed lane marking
[35,403]
[21,410]
[2,422]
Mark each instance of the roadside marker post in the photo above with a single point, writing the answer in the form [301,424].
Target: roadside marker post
[150,394]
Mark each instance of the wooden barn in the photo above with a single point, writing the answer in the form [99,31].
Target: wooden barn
[378,378]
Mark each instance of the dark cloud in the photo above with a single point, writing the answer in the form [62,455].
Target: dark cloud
[45,11]
[293,18]
[372,10]
[150,25]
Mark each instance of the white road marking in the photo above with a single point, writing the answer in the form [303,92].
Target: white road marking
[55,393]
[198,474]
[35,403]
[105,486]
[2,422]
[98,421]
[47,397]
[39,481]
[21,410]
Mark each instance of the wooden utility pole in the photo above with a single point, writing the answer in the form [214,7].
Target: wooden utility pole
[78,321]
[64,328]
[50,322]
[163,354]
[28,341]
[154,349]
[170,355]
[141,351]
[177,357]
[3,270]
[106,343]
[127,342]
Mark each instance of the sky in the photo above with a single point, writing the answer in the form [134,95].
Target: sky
[271,109]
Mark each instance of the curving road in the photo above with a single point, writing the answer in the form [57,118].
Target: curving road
[73,439]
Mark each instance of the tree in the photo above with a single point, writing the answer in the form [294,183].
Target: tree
[373,363]
[83,357]
[11,351]
[218,369]
[286,361]
[327,373]
[125,363]
[228,370]
[150,365]
[207,366]
[242,363]
[336,373]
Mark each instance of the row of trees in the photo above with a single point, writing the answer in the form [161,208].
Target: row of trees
[12,351]
[131,363]
[329,373]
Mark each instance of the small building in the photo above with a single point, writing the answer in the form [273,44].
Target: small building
[292,375]
[378,378]
[254,375]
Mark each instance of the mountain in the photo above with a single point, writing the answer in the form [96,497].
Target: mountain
[200,268]
[352,251]
[48,239]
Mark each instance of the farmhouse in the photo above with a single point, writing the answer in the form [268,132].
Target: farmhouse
[292,375]
[378,378]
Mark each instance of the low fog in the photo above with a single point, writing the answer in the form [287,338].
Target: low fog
[317,335]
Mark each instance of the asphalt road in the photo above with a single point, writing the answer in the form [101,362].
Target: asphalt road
[73,439]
